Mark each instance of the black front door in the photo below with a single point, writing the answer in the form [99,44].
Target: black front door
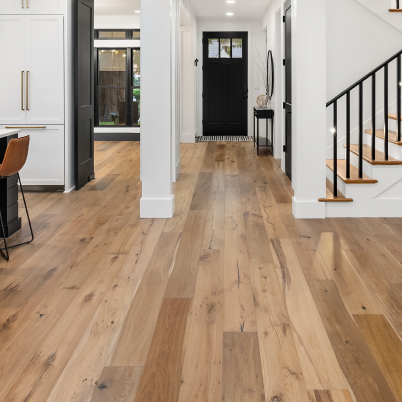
[84,92]
[225,78]
[288,94]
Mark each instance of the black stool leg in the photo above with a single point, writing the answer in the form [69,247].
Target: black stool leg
[6,256]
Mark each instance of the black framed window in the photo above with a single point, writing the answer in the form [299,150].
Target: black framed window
[117,87]
[117,34]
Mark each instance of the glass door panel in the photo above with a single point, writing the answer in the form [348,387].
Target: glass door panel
[136,87]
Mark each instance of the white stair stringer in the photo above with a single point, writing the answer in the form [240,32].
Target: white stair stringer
[382,199]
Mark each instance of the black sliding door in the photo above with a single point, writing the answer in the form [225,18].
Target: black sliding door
[84,92]
[225,83]
[288,94]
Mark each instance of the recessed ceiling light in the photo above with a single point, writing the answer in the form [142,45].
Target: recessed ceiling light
[137,11]
[229,14]
[230,1]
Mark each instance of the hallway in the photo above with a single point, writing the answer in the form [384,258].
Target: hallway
[231,300]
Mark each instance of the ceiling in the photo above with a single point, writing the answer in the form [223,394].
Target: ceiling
[242,9]
[204,9]
[116,7]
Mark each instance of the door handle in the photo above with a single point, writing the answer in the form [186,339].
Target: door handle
[244,97]
[27,94]
[22,90]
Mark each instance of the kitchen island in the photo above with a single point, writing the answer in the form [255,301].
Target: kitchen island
[9,189]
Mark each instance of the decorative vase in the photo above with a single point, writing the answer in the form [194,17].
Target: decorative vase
[262,101]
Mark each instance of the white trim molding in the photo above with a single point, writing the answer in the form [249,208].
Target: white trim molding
[159,208]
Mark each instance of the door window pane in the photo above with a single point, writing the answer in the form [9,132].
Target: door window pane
[225,48]
[112,107]
[112,34]
[112,68]
[213,48]
[237,48]
[136,34]
[136,87]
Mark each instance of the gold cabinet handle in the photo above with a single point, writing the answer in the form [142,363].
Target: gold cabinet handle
[27,94]
[27,3]
[22,90]
[22,3]
[26,128]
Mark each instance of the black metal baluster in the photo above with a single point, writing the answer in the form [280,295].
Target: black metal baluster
[335,149]
[397,4]
[348,135]
[373,122]
[398,100]
[386,128]
[361,130]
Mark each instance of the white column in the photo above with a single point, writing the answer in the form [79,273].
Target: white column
[156,140]
[309,109]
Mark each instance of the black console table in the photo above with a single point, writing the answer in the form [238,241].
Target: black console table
[267,114]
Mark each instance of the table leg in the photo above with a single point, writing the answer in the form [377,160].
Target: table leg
[272,134]
[254,128]
[258,137]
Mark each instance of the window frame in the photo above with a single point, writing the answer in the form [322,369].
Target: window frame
[129,34]
[129,88]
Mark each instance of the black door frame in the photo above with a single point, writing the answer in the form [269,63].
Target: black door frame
[244,60]
[84,107]
[288,148]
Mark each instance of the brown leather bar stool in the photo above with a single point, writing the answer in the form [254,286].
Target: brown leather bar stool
[14,160]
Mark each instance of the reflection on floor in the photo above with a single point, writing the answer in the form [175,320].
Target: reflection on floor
[231,300]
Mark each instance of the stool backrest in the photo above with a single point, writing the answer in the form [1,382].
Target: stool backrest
[15,156]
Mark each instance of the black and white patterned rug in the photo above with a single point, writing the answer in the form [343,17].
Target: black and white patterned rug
[224,138]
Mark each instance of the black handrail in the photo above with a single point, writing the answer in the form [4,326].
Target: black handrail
[347,92]
[363,79]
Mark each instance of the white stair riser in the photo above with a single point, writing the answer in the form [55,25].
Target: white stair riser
[394,150]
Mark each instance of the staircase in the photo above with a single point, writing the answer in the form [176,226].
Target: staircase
[367,180]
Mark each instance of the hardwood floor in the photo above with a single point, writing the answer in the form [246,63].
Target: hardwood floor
[231,300]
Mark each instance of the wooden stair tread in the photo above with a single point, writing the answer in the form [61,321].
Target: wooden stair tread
[379,156]
[392,136]
[395,10]
[330,195]
[393,117]
[354,173]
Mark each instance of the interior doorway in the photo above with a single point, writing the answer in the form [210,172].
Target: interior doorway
[288,90]
[225,83]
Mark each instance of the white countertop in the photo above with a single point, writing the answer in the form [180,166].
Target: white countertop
[6,133]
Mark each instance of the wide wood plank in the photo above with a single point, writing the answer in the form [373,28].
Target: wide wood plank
[354,356]
[117,384]
[202,371]
[184,275]
[386,348]
[242,373]
[135,337]
[161,378]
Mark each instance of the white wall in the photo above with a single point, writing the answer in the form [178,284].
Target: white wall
[381,8]
[117,21]
[256,40]
[187,127]
[357,42]
[273,25]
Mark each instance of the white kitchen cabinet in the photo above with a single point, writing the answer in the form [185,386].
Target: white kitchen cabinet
[44,6]
[44,69]
[12,7]
[45,162]
[32,6]
[12,69]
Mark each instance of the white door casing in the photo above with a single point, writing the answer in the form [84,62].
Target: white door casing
[45,69]
[12,77]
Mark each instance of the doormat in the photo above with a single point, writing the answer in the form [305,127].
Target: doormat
[225,138]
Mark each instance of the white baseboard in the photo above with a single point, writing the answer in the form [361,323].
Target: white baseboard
[187,138]
[308,209]
[69,191]
[159,208]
